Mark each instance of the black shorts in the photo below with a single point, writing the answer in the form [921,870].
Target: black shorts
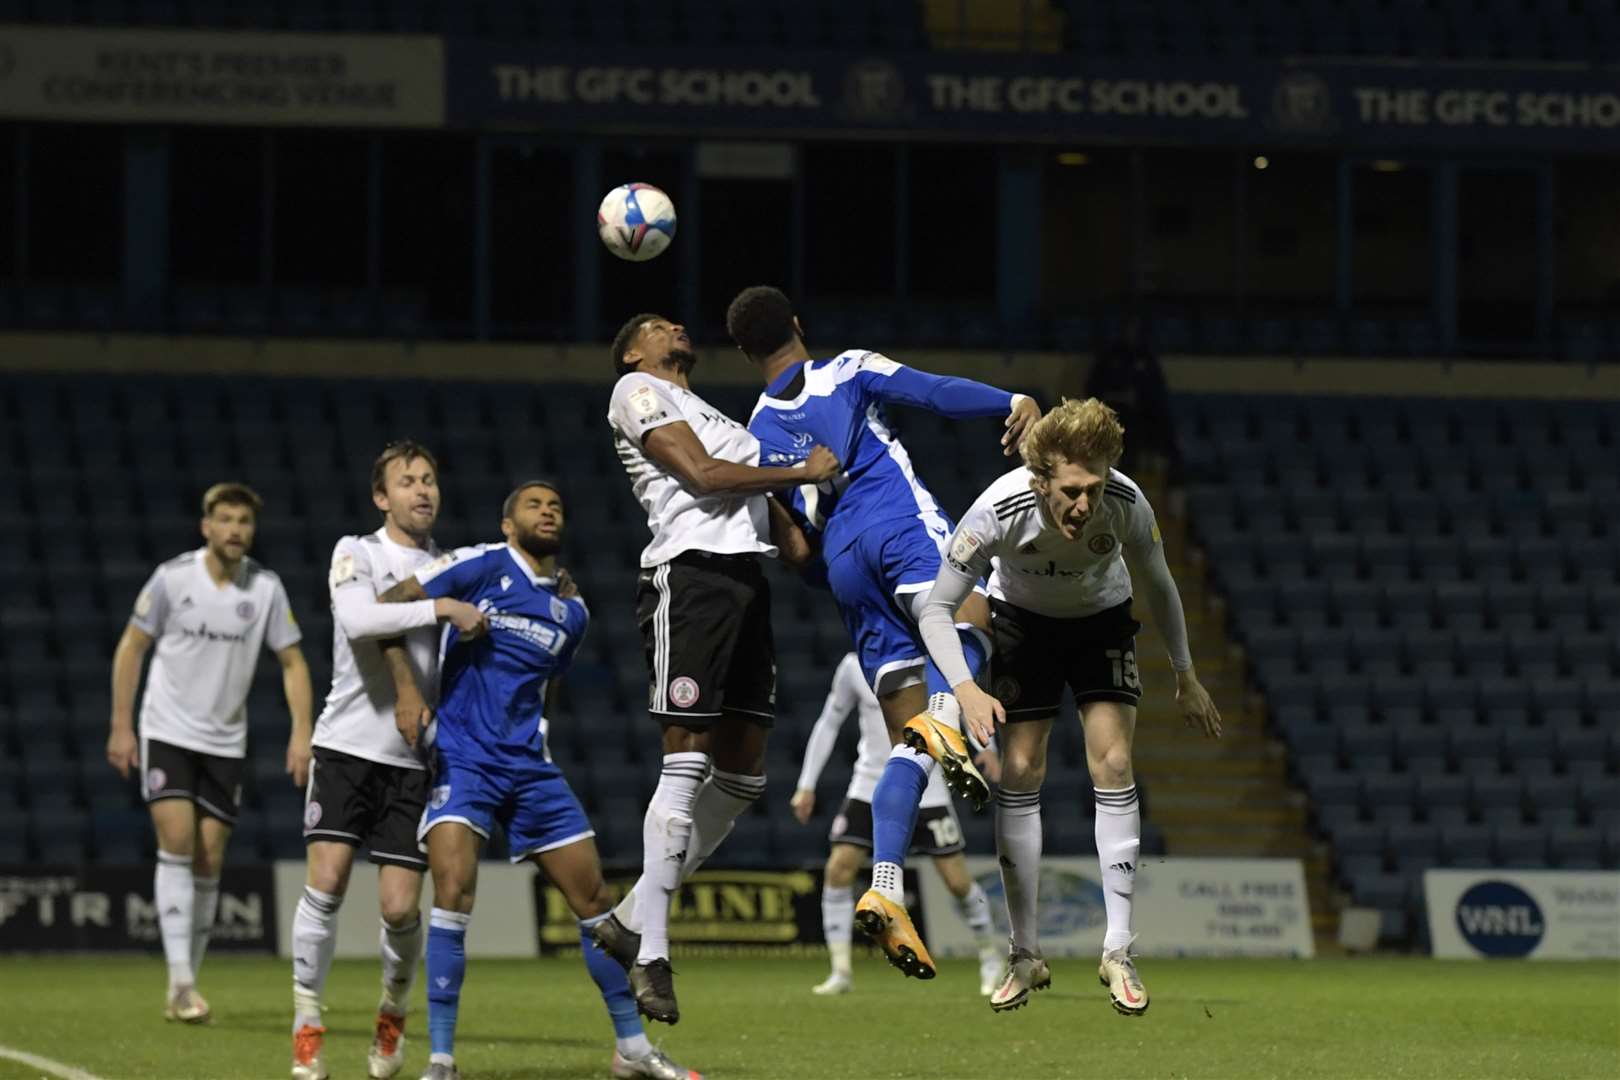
[706,628]
[367,804]
[213,783]
[938,831]
[1036,656]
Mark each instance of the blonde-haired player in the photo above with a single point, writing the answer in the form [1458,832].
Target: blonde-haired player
[1064,538]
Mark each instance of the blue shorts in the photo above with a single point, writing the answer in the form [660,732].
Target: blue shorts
[531,800]
[875,580]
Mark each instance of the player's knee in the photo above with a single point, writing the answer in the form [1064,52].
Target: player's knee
[1022,769]
[841,867]
[398,911]
[1112,768]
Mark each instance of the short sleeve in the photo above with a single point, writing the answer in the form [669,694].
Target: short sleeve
[282,629]
[151,606]
[973,543]
[350,567]
[640,404]
[456,574]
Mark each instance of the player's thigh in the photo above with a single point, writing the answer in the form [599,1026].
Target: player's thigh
[1023,753]
[396,798]
[1026,669]
[899,706]
[174,820]
[880,630]
[1110,732]
[690,611]
[576,870]
[749,696]
[327,865]
[453,849]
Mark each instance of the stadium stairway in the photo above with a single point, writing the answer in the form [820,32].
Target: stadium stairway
[1230,798]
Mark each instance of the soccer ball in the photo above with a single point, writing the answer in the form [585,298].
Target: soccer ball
[636,221]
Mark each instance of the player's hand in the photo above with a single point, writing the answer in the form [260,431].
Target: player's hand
[123,751]
[469,622]
[989,763]
[1197,708]
[1025,412]
[980,712]
[299,752]
[803,805]
[411,715]
[821,465]
[565,585]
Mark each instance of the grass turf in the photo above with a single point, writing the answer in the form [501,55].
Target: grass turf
[1365,1017]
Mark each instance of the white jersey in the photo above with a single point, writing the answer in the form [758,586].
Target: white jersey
[208,640]
[679,520]
[359,715]
[1006,531]
[849,694]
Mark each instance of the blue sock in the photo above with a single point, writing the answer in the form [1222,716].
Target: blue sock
[446,966]
[612,981]
[894,808]
[972,648]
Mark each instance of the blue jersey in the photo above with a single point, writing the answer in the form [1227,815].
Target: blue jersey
[838,404]
[492,689]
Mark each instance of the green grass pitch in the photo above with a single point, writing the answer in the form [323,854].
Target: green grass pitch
[755,1018]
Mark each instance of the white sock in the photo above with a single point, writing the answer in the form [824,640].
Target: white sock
[633,1047]
[1119,840]
[401,955]
[442,1059]
[204,907]
[666,840]
[1018,843]
[314,939]
[722,799]
[975,909]
[837,924]
[176,898]
[889,878]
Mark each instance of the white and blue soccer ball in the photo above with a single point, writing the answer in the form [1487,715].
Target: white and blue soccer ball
[636,221]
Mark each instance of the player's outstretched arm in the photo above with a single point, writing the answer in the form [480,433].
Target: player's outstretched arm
[123,750]
[458,613]
[936,624]
[677,449]
[1150,572]
[301,706]
[947,395]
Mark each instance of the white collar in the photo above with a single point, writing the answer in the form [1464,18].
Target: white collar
[523,564]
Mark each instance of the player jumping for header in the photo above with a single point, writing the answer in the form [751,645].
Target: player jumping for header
[490,761]
[883,538]
[1064,538]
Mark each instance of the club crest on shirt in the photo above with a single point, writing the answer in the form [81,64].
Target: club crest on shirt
[1006,690]
[1101,544]
[441,795]
[559,610]
[245,610]
[684,692]
[312,815]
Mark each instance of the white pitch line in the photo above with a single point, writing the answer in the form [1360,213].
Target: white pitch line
[45,1064]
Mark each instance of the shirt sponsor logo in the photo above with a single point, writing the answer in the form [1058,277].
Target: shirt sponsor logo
[202,633]
[1101,544]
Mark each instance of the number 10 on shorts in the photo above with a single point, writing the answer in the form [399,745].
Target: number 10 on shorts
[1124,665]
